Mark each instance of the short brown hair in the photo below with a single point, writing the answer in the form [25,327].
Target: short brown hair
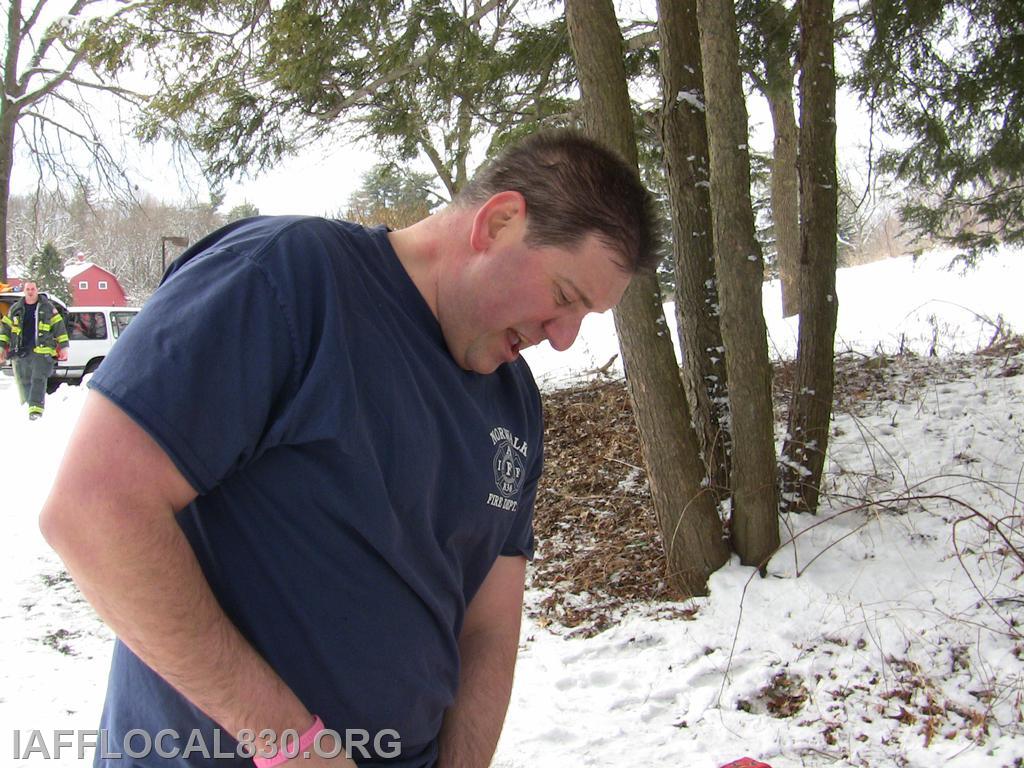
[573,187]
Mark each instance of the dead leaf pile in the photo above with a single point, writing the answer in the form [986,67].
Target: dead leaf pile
[598,547]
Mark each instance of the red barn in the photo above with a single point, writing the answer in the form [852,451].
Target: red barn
[94,286]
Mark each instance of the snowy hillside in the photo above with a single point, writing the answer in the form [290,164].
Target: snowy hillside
[887,306]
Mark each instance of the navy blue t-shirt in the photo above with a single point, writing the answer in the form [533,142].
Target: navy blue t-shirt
[355,484]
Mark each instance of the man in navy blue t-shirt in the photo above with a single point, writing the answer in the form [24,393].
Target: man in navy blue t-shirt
[301,489]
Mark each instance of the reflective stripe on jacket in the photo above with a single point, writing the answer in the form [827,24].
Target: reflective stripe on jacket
[51,332]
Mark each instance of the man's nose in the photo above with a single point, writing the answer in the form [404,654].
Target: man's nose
[561,332]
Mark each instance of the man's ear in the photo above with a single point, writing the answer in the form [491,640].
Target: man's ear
[501,215]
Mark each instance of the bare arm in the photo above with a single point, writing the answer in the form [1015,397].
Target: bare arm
[487,645]
[110,516]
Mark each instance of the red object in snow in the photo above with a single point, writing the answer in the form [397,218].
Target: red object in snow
[746,762]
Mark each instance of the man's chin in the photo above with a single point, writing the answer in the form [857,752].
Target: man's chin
[482,364]
[484,358]
[486,370]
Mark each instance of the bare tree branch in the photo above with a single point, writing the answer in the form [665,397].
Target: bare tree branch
[117,90]
[49,38]
[47,88]
[34,16]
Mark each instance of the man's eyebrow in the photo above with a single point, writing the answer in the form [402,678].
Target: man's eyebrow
[582,296]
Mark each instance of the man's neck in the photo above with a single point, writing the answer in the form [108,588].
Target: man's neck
[426,246]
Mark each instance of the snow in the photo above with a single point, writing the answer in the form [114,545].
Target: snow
[881,626]
[693,98]
[887,306]
[74,270]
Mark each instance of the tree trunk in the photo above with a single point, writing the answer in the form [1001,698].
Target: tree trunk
[785,200]
[685,144]
[8,121]
[778,27]
[687,516]
[755,528]
[811,405]
[6,166]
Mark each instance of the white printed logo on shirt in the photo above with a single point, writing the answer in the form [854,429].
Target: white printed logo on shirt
[509,469]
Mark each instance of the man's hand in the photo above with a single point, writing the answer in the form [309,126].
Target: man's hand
[3,356]
[62,354]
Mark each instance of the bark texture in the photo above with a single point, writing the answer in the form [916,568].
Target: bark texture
[685,144]
[811,406]
[785,199]
[6,165]
[8,120]
[740,268]
[778,24]
[687,516]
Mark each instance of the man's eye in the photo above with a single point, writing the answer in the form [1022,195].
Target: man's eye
[560,298]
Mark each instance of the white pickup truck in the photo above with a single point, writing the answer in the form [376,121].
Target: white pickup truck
[92,331]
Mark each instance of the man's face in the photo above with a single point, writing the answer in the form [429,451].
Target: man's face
[513,296]
[31,293]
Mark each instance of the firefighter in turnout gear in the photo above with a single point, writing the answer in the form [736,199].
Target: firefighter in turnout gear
[33,334]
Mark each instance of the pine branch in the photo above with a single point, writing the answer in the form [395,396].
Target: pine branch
[397,74]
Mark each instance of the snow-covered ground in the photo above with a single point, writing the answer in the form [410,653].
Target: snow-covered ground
[886,306]
[885,635]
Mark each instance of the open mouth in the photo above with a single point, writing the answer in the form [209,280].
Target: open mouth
[517,341]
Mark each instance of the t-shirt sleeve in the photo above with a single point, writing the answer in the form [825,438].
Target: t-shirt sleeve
[205,365]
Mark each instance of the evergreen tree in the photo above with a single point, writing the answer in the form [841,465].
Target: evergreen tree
[393,196]
[691,531]
[740,271]
[684,137]
[810,410]
[949,75]
[418,78]
[243,210]
[47,267]
[768,57]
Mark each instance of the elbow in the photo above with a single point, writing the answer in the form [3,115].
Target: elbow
[52,525]
[72,532]
[57,524]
